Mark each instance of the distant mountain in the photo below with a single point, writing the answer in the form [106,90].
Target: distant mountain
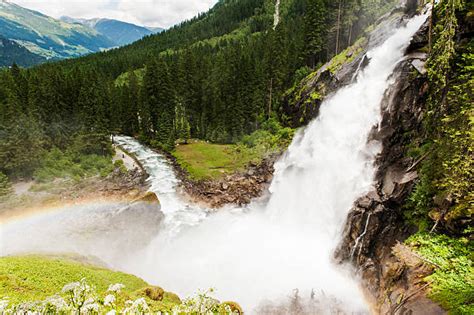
[48,37]
[155,30]
[119,32]
[11,52]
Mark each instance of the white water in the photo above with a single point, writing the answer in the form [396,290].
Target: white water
[262,252]
[163,183]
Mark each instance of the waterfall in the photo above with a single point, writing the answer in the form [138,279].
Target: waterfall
[360,237]
[264,252]
[276,15]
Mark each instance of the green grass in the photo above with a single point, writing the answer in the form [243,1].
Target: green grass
[452,282]
[33,278]
[205,160]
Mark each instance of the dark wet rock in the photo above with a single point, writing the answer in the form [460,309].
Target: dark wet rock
[411,7]
[420,39]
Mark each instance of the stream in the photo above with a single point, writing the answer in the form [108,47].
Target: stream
[266,255]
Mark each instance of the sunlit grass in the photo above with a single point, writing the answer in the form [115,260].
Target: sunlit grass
[33,278]
[205,160]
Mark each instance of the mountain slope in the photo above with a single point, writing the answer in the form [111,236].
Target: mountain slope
[11,52]
[48,37]
[119,32]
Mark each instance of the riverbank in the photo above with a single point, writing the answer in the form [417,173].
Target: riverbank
[127,181]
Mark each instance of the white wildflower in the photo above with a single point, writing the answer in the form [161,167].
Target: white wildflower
[115,287]
[70,287]
[89,307]
[112,312]
[109,300]
[56,302]
[137,306]
[3,305]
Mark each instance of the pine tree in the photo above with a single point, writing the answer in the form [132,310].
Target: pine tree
[315,31]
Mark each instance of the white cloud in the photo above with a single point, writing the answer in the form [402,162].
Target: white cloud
[164,13]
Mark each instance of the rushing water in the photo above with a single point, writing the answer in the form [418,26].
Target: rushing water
[163,183]
[265,251]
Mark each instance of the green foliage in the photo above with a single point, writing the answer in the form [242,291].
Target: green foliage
[452,282]
[28,278]
[315,31]
[447,171]
[347,55]
[5,186]
[272,137]
[443,50]
[72,165]
[456,143]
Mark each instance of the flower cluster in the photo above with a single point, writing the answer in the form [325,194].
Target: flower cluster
[79,298]
[202,303]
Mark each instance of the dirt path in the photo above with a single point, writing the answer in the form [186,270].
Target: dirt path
[128,161]
[22,187]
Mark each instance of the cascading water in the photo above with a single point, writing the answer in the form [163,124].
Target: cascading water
[265,251]
[163,183]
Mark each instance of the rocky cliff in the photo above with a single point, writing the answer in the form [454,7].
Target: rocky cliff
[375,227]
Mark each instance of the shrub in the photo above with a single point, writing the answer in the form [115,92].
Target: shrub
[5,186]
[72,165]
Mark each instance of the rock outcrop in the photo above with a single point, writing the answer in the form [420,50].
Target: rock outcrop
[239,188]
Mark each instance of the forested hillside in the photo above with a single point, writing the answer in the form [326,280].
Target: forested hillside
[11,52]
[217,77]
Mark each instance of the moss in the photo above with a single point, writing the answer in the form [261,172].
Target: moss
[343,58]
[315,96]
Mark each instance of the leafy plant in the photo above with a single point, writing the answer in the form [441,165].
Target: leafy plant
[5,186]
[452,282]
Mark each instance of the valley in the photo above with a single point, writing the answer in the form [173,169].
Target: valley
[293,156]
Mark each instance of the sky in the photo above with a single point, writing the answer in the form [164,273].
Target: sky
[156,13]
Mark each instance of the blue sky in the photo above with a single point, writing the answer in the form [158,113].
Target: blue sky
[163,13]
